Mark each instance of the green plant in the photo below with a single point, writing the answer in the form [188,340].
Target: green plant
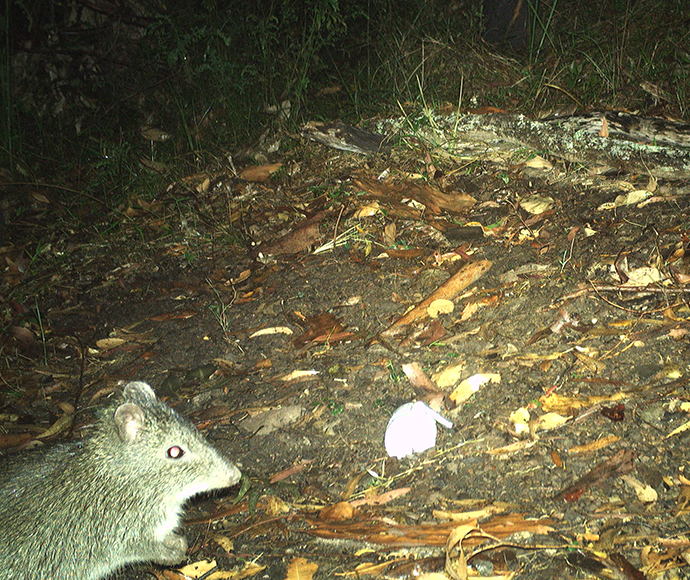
[221,309]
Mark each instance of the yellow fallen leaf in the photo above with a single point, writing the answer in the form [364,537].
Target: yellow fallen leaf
[594,445]
[198,569]
[537,204]
[645,493]
[298,375]
[449,375]
[471,385]
[677,430]
[538,162]
[550,421]
[440,306]
[520,419]
[301,569]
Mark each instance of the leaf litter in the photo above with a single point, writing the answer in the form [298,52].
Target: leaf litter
[545,310]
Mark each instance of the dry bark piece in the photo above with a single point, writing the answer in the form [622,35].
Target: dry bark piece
[620,464]
[324,328]
[447,291]
[387,534]
[576,139]
[432,198]
[345,137]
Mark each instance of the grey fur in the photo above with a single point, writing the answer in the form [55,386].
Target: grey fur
[82,510]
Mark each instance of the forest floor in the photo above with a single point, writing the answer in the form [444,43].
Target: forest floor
[559,291]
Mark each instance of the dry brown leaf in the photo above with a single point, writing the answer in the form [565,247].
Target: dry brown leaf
[571,405]
[604,131]
[203,186]
[174,315]
[271,331]
[621,463]
[353,483]
[338,512]
[456,563]
[374,569]
[683,500]
[511,448]
[645,493]
[469,310]
[389,534]
[154,134]
[321,327]
[25,337]
[63,423]
[368,210]
[684,427]
[290,471]
[538,162]
[389,233]
[259,172]
[244,274]
[275,506]
[250,569]
[301,569]
[467,518]
[549,421]
[594,445]
[298,375]
[591,364]
[108,343]
[224,542]
[434,332]
[409,254]
[537,204]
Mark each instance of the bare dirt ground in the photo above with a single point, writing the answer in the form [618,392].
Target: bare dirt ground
[223,294]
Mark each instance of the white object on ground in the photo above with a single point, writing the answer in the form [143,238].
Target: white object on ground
[412,429]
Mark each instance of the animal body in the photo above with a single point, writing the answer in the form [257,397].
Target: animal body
[80,511]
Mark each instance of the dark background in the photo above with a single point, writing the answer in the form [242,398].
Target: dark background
[81,80]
